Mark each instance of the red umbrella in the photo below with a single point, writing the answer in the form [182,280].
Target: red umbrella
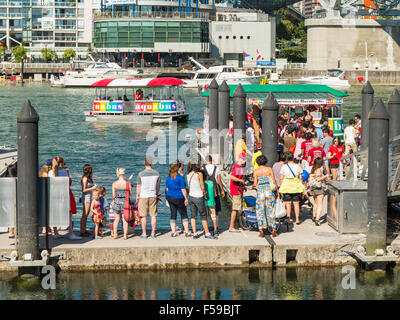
[168,81]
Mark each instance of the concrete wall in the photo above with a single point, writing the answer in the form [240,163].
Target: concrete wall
[331,39]
[375,77]
[261,33]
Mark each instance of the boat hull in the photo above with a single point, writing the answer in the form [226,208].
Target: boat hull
[243,81]
[137,119]
[338,85]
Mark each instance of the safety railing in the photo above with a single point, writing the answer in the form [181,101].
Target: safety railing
[150,15]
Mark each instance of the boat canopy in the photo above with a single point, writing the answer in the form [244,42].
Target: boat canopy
[137,82]
[288,91]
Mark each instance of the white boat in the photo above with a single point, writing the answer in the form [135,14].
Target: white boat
[204,76]
[149,101]
[334,79]
[92,74]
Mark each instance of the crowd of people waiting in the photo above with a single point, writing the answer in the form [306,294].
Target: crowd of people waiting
[309,155]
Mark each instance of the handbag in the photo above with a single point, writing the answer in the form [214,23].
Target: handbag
[129,212]
[314,183]
[137,221]
[279,209]
[272,184]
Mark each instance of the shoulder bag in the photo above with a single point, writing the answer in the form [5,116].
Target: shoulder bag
[129,212]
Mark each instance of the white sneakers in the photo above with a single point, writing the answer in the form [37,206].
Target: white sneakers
[74,237]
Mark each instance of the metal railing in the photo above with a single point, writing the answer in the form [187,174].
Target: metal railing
[293,65]
[65,38]
[65,27]
[65,15]
[10,65]
[150,15]
[356,167]
[42,38]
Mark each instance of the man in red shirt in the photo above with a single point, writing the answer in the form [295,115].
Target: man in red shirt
[306,146]
[236,189]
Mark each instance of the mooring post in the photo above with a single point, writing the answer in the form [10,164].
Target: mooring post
[213,116]
[239,115]
[367,102]
[394,113]
[27,188]
[269,114]
[223,119]
[378,143]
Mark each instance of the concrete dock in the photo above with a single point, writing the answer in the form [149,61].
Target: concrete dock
[305,244]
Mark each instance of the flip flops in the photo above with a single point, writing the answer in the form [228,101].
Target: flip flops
[143,237]
[235,231]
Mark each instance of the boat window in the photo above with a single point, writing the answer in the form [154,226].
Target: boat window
[212,75]
[202,76]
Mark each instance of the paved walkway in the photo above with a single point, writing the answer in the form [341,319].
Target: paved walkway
[313,245]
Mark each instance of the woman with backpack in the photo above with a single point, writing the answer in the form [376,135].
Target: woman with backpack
[197,193]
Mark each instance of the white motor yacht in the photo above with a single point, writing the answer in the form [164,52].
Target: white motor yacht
[334,79]
[204,76]
[92,74]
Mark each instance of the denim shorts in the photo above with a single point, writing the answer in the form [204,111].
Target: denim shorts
[197,205]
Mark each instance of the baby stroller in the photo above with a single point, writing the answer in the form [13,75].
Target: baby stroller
[248,218]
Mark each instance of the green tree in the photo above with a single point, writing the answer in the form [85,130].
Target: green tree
[292,38]
[19,53]
[69,54]
[2,52]
[48,54]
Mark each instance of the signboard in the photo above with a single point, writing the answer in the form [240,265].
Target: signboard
[336,125]
[299,101]
[266,63]
[108,106]
[163,106]
[112,2]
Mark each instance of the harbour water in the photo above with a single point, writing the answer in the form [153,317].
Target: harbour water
[237,284]
[63,132]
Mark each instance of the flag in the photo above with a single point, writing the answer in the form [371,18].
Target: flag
[258,55]
[245,54]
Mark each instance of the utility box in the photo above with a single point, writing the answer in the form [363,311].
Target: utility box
[347,206]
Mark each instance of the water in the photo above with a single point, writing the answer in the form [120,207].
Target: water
[323,283]
[63,132]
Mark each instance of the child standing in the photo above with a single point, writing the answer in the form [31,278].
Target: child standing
[105,207]
[97,211]
[210,203]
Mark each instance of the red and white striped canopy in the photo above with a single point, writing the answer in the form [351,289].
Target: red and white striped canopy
[137,82]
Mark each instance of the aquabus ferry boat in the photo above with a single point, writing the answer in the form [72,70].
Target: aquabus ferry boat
[153,101]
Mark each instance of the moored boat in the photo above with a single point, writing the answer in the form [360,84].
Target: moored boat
[334,79]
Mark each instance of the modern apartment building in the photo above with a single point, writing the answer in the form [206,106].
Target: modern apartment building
[55,24]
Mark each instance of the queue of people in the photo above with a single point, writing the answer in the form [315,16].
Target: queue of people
[309,156]
[199,189]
